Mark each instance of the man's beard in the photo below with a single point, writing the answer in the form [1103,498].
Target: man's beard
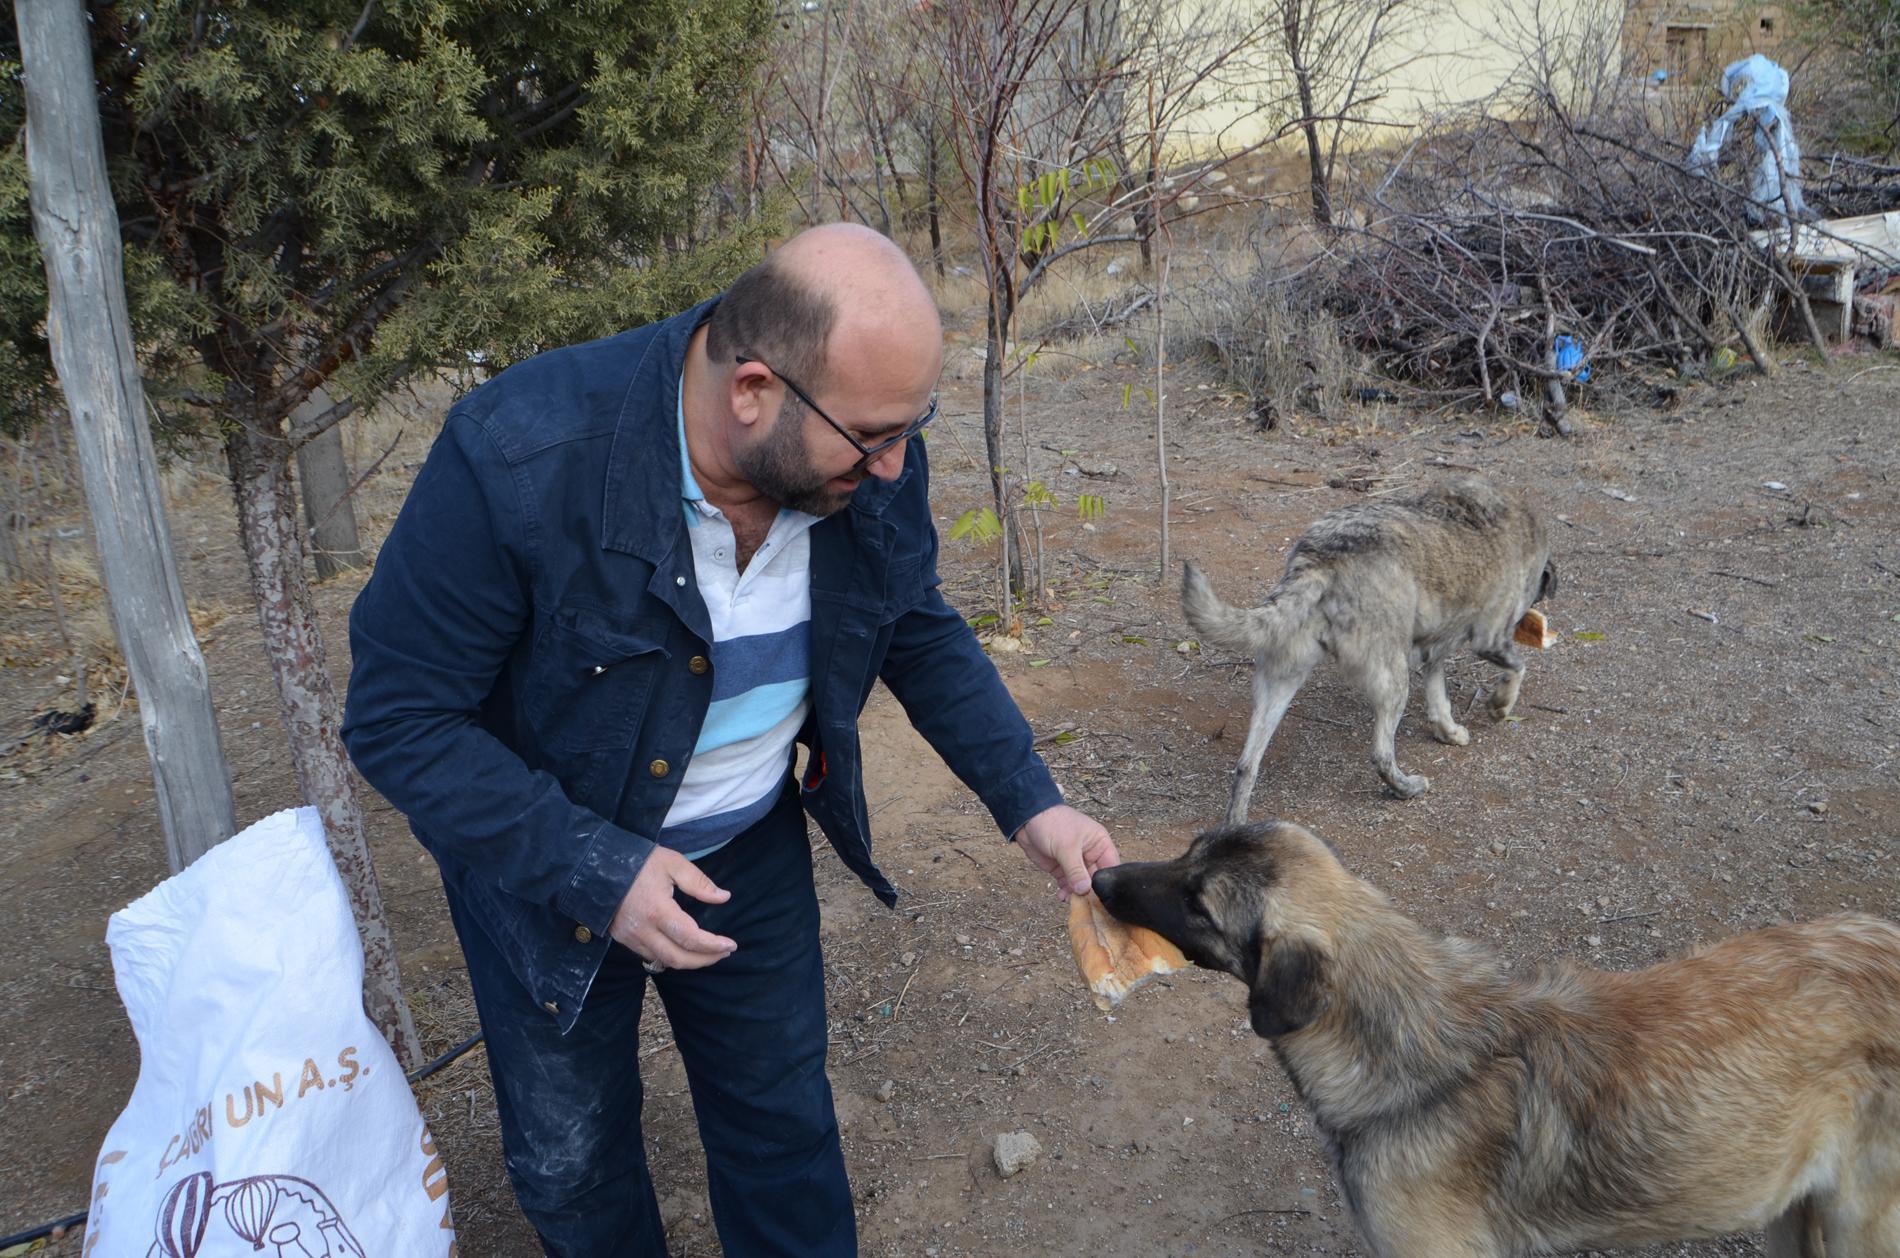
[778,466]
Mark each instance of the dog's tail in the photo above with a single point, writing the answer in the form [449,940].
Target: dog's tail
[1257,631]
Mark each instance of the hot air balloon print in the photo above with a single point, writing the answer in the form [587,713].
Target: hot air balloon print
[288,1238]
[249,1207]
[182,1216]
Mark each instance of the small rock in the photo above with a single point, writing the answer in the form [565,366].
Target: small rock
[1497,847]
[963,941]
[1595,941]
[1818,807]
[909,959]
[681,1205]
[886,1090]
[1015,1151]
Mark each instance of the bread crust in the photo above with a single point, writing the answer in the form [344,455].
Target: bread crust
[1115,958]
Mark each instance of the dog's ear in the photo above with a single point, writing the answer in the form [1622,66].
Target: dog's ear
[1289,989]
[1547,585]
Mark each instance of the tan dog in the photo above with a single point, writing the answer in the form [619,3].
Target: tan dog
[1471,1114]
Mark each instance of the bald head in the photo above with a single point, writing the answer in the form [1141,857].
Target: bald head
[839,297]
[873,288]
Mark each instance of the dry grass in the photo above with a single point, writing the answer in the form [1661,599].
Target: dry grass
[1271,340]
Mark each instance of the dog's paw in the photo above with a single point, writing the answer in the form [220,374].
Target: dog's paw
[1409,785]
[1454,734]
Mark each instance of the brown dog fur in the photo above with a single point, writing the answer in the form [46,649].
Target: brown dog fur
[1471,1114]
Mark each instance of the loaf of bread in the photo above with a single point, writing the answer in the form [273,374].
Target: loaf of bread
[1534,630]
[1115,958]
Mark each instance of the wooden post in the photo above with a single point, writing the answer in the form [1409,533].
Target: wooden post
[323,476]
[91,335]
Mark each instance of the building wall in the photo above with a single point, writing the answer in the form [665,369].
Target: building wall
[1692,40]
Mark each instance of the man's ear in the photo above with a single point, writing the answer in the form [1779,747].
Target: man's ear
[751,393]
[1289,988]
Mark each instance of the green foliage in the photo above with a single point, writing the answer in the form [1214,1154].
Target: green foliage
[25,371]
[979,524]
[1865,35]
[1039,202]
[301,199]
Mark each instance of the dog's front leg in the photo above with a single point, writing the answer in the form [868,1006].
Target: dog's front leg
[1272,693]
[1415,1230]
[1438,707]
[1504,694]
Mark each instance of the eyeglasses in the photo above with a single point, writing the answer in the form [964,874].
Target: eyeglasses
[865,453]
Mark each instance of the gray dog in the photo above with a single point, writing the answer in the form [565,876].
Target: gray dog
[1378,586]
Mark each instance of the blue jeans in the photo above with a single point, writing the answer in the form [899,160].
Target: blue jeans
[751,1031]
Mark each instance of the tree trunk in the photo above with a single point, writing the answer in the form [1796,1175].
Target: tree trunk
[1161,396]
[931,194]
[91,335]
[260,475]
[1309,125]
[329,512]
[10,569]
[995,343]
[1145,213]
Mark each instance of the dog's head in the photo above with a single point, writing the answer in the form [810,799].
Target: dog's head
[1255,901]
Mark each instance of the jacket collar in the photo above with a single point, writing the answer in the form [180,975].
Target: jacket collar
[640,512]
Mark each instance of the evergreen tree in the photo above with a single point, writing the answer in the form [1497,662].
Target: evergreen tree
[340,193]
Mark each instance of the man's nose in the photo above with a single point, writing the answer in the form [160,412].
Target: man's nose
[888,463]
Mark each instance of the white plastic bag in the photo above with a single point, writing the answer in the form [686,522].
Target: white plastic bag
[1759,89]
[269,1117]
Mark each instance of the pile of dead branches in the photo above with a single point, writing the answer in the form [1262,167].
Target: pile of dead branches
[1495,246]
[1841,185]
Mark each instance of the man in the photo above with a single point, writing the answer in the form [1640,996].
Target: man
[629,576]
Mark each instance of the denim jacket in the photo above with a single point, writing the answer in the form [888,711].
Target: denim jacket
[530,672]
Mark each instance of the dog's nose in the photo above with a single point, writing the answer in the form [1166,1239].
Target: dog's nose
[1103,884]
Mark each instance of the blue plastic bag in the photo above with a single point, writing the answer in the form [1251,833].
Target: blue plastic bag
[1570,357]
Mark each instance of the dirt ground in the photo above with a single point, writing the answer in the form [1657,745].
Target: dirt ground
[1711,746]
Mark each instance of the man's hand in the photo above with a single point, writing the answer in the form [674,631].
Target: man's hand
[653,925]
[1068,845]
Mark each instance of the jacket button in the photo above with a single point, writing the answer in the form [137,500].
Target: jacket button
[659,768]
[550,1006]
[697,665]
[583,935]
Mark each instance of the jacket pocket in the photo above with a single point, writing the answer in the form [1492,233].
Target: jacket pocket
[903,587]
[594,672]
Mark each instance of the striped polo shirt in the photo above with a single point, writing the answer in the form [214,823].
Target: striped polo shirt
[761,670]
